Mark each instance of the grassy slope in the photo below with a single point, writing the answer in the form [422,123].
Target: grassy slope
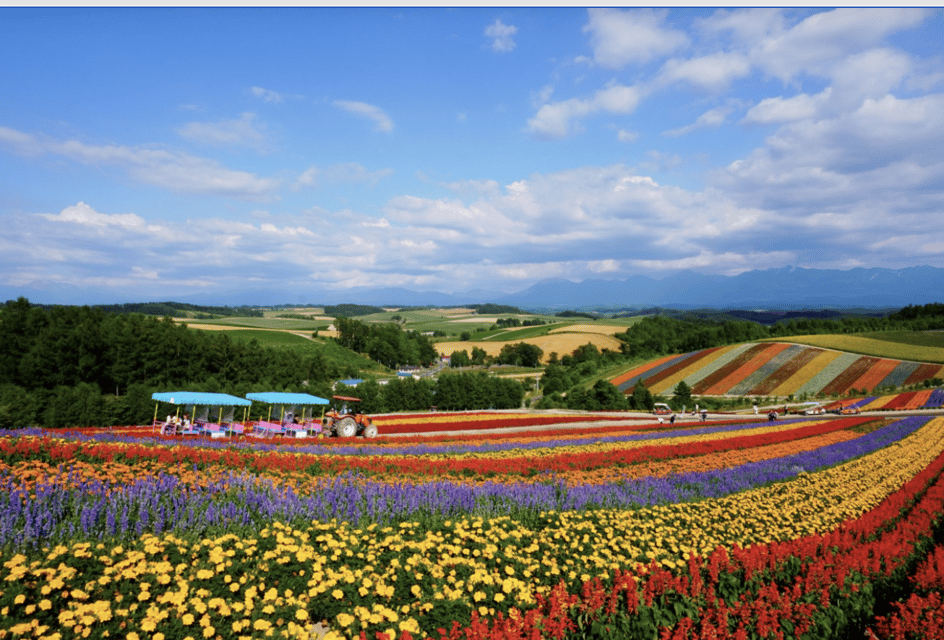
[899,345]
[288,324]
[282,339]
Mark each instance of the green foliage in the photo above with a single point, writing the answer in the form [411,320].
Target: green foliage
[180,309]
[576,314]
[683,394]
[351,310]
[489,309]
[521,354]
[468,391]
[459,359]
[68,366]
[387,343]
[479,356]
[603,396]
[657,335]
[641,399]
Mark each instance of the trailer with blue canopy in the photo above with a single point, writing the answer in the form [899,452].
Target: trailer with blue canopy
[201,422]
[296,414]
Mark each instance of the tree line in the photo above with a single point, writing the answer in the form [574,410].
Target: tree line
[386,343]
[659,335]
[455,391]
[174,309]
[81,366]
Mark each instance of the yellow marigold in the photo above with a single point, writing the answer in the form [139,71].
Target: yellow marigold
[301,614]
[261,625]
[344,619]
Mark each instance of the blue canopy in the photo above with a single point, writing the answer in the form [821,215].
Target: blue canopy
[200,398]
[277,397]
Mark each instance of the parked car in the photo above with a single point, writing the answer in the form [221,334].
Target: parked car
[661,409]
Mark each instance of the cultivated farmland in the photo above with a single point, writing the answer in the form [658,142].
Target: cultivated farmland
[777,369]
[734,528]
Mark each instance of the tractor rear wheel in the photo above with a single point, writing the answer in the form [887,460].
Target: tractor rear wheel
[347,427]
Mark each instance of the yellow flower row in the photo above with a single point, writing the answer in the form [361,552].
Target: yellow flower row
[597,447]
[393,578]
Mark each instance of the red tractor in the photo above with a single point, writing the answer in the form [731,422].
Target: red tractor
[347,424]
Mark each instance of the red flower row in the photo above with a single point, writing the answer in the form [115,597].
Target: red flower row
[762,591]
[56,450]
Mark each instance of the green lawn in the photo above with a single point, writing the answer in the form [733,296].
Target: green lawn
[290,324]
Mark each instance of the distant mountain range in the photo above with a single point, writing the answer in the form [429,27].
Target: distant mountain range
[784,289]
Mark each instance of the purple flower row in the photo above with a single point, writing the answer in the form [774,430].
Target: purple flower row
[93,509]
[935,400]
[409,450]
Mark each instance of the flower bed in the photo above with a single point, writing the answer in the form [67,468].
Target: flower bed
[161,538]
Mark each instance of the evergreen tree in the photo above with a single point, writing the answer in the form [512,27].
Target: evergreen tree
[683,395]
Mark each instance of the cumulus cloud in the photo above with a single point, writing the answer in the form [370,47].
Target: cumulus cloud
[84,215]
[845,47]
[381,120]
[561,119]
[713,72]
[620,37]
[501,36]
[826,39]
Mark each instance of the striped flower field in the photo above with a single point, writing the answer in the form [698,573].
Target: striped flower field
[775,369]
[736,529]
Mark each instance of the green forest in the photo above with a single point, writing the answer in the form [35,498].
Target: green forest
[81,366]
[658,335]
[64,366]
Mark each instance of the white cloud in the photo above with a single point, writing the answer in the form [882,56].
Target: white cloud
[713,72]
[712,118]
[826,39]
[241,132]
[162,167]
[266,95]
[799,107]
[351,172]
[557,120]
[633,36]
[84,215]
[501,36]
[381,120]
[747,26]
[627,136]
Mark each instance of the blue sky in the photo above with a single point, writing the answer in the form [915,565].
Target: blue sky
[158,153]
